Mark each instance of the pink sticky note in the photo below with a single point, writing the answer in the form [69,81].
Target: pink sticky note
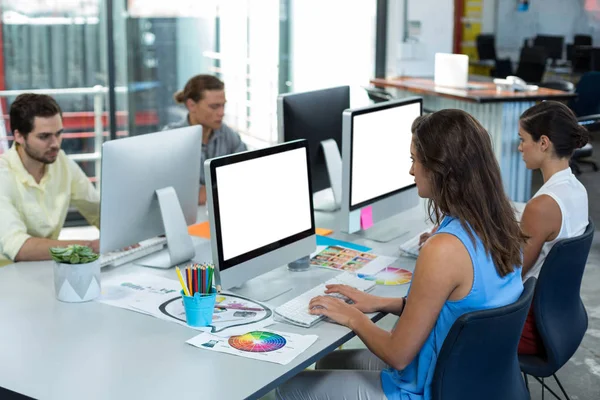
[366,217]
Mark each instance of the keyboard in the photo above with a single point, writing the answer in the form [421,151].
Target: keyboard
[411,246]
[295,311]
[146,247]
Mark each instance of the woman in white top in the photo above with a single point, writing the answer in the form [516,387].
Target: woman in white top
[549,133]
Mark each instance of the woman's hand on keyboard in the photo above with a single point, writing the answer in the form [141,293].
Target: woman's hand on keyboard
[335,309]
[366,303]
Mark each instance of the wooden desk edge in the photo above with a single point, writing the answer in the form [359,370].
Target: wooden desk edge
[478,95]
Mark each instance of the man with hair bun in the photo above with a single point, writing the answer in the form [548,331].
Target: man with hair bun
[204,98]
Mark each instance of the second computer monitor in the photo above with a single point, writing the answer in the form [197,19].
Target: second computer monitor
[260,209]
[315,116]
[149,188]
[376,162]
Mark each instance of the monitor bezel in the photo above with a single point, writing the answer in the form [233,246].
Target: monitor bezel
[215,163]
[368,110]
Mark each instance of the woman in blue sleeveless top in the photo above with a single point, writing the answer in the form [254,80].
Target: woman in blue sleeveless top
[472,262]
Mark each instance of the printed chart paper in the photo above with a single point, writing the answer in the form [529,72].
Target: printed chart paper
[161,298]
[266,345]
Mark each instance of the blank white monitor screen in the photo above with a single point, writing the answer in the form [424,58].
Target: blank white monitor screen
[381,152]
[263,200]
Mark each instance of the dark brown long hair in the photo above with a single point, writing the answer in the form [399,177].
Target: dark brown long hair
[466,184]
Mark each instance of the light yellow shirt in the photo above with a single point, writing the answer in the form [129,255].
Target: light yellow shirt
[31,209]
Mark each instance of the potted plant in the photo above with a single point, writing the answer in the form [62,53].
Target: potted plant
[76,273]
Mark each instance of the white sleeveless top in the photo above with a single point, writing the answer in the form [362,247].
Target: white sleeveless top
[571,197]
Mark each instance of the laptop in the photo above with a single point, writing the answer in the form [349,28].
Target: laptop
[452,71]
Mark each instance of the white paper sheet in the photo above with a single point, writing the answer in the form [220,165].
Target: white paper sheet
[266,345]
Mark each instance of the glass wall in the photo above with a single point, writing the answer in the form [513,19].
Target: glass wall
[55,47]
[259,48]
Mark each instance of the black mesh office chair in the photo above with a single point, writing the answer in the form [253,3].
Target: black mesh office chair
[582,40]
[532,64]
[378,95]
[486,47]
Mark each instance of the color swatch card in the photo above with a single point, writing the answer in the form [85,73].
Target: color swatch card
[266,345]
[344,259]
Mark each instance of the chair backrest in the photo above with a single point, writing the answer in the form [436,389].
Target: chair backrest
[587,89]
[532,64]
[560,316]
[565,86]
[478,359]
[582,40]
[486,47]
[581,59]
[378,95]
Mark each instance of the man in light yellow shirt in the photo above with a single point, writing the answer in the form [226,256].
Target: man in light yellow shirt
[38,182]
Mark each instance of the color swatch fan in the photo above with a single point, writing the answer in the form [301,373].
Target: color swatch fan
[390,276]
[257,342]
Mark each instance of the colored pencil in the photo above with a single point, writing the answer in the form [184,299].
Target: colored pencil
[185,291]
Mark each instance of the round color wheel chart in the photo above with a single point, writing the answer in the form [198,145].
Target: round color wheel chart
[391,276]
[257,342]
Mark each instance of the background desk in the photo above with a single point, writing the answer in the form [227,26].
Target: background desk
[498,112]
[54,350]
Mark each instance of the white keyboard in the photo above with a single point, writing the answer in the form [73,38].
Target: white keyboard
[296,312]
[411,246]
[146,247]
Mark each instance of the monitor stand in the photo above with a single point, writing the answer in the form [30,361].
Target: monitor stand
[261,291]
[386,230]
[180,248]
[324,200]
[330,199]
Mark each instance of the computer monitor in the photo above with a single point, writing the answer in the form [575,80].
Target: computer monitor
[317,117]
[260,210]
[149,188]
[553,45]
[451,70]
[376,164]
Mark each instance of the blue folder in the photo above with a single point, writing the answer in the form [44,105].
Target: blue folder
[327,241]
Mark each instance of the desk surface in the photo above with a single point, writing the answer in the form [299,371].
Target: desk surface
[55,350]
[487,94]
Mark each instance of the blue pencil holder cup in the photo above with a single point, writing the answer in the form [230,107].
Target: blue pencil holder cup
[199,308]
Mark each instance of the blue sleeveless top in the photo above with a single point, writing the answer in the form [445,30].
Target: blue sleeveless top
[489,291]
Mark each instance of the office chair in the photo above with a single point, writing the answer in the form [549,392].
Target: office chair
[582,40]
[478,359]
[532,64]
[592,123]
[558,84]
[560,316]
[587,101]
[378,95]
[586,106]
[486,47]
[581,59]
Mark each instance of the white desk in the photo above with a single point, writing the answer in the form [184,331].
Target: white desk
[55,350]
